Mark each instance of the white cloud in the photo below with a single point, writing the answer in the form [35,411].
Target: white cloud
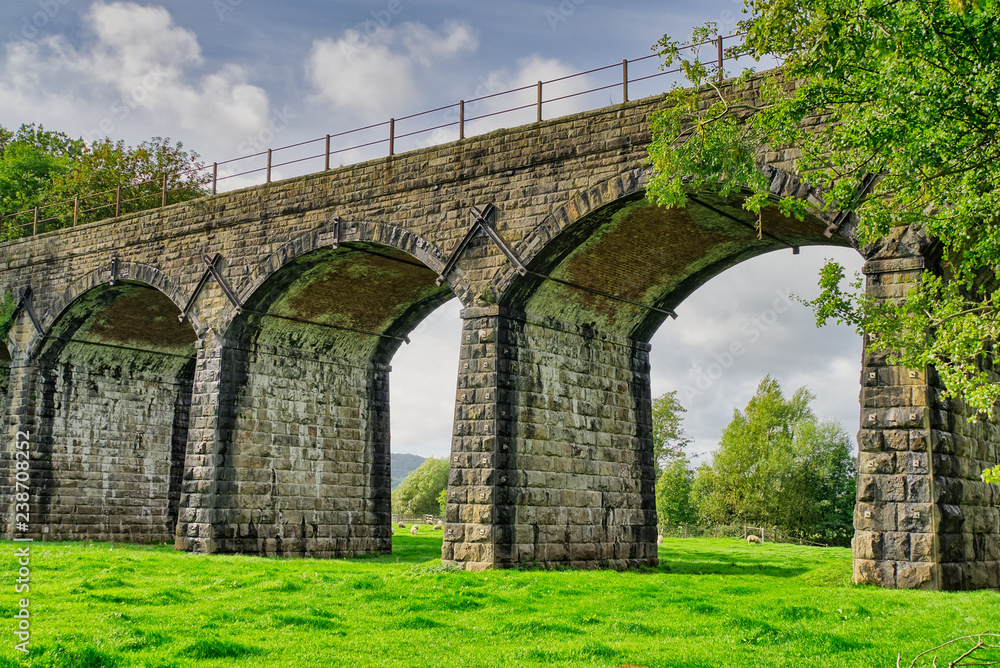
[135,65]
[132,38]
[379,75]
[693,354]
[426,46]
[423,382]
[529,72]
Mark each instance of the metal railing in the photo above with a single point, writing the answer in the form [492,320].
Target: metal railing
[205,179]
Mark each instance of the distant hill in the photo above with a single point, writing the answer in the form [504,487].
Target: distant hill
[401,465]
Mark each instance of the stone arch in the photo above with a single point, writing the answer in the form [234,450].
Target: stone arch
[113,380]
[135,272]
[632,183]
[303,457]
[569,341]
[347,232]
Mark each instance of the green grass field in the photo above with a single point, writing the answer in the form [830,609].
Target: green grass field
[713,602]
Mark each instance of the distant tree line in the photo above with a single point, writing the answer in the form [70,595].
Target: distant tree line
[423,491]
[777,466]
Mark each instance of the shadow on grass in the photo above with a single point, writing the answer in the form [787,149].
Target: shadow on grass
[427,547]
[727,563]
[413,549]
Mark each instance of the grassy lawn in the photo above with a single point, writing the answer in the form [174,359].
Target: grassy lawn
[713,602]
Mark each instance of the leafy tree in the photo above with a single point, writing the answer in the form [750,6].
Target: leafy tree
[419,492]
[708,506]
[908,90]
[673,478]
[442,500]
[820,475]
[30,159]
[777,465]
[49,169]
[673,494]
[669,439]
[107,165]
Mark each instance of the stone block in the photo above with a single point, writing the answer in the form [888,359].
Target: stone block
[952,518]
[868,545]
[955,576]
[922,547]
[881,573]
[875,516]
[897,546]
[916,575]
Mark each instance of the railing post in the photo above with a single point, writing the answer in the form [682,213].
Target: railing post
[392,137]
[118,201]
[34,226]
[720,57]
[76,210]
[461,119]
[163,192]
[326,163]
[625,80]
[215,176]
[268,165]
[539,101]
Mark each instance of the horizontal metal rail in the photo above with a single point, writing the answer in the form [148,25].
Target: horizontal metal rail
[205,178]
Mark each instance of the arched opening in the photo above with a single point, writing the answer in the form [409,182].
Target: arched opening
[304,403]
[422,385]
[573,442]
[112,395]
[746,323]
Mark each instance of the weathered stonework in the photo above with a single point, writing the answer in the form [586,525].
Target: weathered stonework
[552,459]
[302,470]
[110,444]
[260,423]
[924,518]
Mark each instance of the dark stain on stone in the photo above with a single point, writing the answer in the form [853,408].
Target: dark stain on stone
[637,251]
[357,289]
[140,315]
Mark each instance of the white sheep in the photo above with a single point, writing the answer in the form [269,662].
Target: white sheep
[414,529]
[402,525]
[659,539]
[439,525]
[753,540]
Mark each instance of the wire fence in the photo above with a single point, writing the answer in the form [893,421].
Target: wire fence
[407,521]
[336,149]
[742,531]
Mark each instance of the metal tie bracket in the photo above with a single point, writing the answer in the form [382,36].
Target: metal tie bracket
[211,272]
[867,183]
[26,301]
[482,220]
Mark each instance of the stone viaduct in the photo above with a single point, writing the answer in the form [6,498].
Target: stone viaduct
[215,373]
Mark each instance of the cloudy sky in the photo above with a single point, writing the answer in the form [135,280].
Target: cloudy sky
[232,77]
